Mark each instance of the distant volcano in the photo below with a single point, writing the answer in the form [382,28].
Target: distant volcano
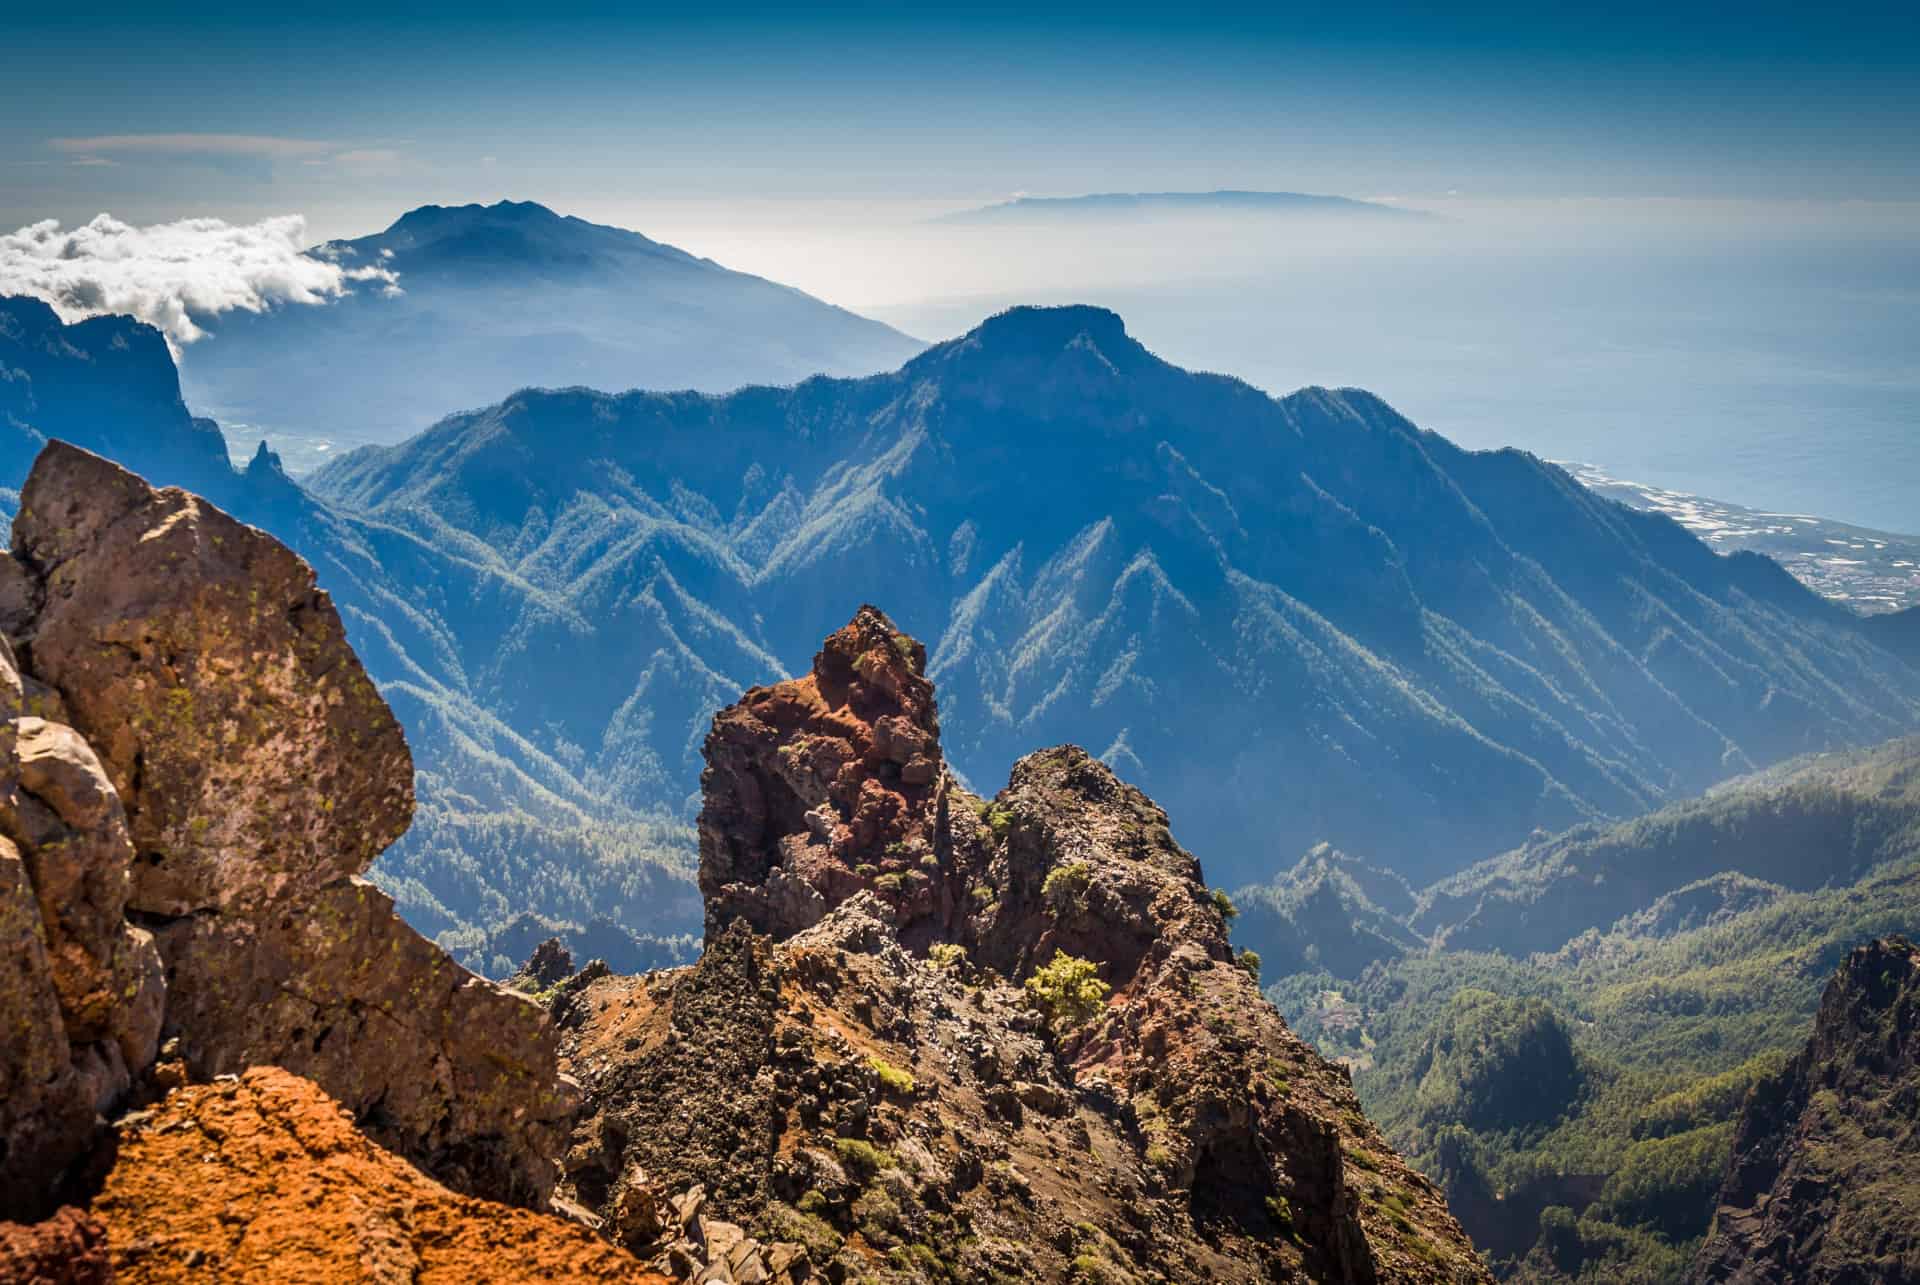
[1150,205]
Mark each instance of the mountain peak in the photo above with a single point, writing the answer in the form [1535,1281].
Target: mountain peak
[1030,971]
[442,216]
[1096,336]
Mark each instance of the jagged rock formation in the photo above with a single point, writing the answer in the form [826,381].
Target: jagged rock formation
[183,834]
[321,1202]
[1824,1183]
[868,1073]
[809,779]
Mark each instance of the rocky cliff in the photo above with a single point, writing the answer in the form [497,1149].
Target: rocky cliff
[194,771]
[938,1037]
[1824,1183]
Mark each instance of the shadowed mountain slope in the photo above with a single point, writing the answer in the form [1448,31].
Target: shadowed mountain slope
[1824,1183]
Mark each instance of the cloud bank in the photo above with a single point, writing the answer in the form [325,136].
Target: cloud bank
[174,275]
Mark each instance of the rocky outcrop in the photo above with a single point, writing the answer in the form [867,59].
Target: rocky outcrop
[214,678]
[1824,1180]
[184,815]
[939,1037]
[264,1178]
[824,785]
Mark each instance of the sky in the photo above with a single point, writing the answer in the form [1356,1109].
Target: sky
[1682,241]
[348,115]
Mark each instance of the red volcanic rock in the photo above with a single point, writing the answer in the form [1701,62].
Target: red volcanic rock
[986,1040]
[70,1248]
[824,785]
[264,1178]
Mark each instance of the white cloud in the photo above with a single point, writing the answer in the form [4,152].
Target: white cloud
[172,275]
[260,151]
[216,144]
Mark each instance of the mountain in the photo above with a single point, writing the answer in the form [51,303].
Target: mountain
[1294,620]
[1151,205]
[1825,1176]
[989,1039]
[1803,825]
[1567,1041]
[495,298]
[1330,912]
[1899,633]
[106,384]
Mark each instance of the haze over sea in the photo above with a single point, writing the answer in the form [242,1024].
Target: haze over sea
[1766,357]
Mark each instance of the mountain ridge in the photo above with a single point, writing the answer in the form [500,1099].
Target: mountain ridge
[1484,599]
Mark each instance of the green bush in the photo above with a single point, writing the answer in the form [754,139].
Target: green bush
[946,955]
[892,1078]
[1250,961]
[1068,989]
[1065,887]
[862,1159]
[1224,904]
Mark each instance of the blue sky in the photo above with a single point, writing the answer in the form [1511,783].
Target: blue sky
[241,113]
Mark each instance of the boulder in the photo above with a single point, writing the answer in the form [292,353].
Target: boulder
[228,774]
[450,1070]
[254,757]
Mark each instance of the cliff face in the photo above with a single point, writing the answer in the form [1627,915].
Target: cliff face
[194,771]
[1824,1183]
[938,1037]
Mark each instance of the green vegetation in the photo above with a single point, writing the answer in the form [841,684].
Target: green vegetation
[1068,989]
[1495,1065]
[893,1079]
[1599,1083]
[862,1159]
[946,955]
[1224,904]
[1065,888]
[1249,961]
[1575,1090]
[466,877]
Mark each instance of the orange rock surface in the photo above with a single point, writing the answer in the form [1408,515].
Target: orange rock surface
[264,1178]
